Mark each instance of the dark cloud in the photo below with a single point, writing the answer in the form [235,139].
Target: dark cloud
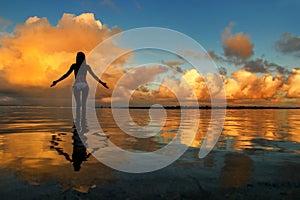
[255,66]
[35,96]
[143,89]
[174,64]
[276,67]
[178,69]
[259,65]
[288,43]
[263,66]
[215,57]
[222,71]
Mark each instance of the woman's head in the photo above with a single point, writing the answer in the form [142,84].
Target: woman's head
[80,58]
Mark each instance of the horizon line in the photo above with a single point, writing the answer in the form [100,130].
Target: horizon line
[172,107]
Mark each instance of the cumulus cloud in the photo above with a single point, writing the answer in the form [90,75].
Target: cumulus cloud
[246,85]
[134,79]
[42,51]
[189,89]
[36,53]
[288,43]
[292,85]
[241,86]
[236,46]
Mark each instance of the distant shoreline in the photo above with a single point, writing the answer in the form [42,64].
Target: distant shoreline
[170,107]
[204,107]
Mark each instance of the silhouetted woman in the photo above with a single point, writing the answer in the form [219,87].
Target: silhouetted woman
[80,87]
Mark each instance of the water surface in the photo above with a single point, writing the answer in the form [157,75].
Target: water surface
[256,156]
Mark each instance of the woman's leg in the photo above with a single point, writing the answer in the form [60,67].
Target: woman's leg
[85,92]
[76,93]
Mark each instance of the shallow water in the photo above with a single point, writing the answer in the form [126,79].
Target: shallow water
[256,154]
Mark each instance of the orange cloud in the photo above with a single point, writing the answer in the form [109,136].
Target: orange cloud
[132,81]
[246,85]
[236,46]
[190,82]
[292,85]
[242,85]
[37,52]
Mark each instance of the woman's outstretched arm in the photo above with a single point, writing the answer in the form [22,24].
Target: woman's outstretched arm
[96,78]
[63,76]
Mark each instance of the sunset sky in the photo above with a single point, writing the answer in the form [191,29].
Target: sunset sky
[256,45]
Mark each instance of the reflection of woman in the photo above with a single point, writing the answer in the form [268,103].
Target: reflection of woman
[80,88]
[79,151]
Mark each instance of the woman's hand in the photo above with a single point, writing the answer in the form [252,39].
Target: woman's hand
[104,84]
[53,83]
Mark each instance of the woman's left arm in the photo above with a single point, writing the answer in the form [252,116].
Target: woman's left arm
[96,77]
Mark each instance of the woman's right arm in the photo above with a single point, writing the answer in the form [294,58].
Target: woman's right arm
[63,76]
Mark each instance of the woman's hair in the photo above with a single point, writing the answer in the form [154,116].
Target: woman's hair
[80,58]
